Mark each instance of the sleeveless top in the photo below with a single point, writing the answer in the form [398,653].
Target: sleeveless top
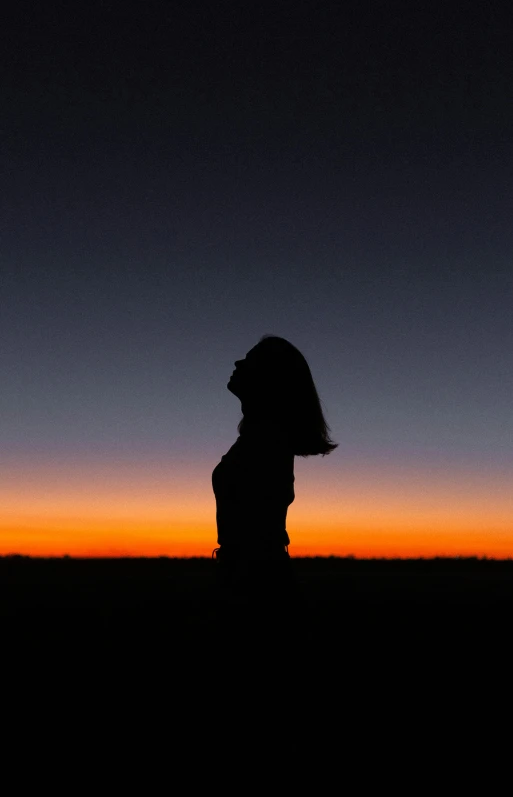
[254,486]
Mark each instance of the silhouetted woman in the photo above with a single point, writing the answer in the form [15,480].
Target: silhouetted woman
[254,481]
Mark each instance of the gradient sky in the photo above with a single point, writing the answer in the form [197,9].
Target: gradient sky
[176,185]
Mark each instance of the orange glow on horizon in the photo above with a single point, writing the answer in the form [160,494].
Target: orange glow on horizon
[366,512]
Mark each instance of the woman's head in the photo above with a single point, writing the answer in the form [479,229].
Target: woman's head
[275,386]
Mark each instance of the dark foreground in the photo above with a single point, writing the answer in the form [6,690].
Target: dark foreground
[176,598]
[362,651]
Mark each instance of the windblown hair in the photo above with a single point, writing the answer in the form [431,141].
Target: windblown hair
[286,395]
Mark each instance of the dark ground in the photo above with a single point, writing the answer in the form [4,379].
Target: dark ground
[335,596]
[365,655]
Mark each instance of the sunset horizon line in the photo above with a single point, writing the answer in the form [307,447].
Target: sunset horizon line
[349,557]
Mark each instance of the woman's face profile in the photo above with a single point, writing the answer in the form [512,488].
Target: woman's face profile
[245,375]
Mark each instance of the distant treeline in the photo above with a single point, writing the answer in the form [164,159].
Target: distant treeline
[331,559]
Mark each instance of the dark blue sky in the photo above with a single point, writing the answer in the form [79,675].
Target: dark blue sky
[176,184]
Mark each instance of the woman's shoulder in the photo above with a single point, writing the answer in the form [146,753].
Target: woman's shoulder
[269,450]
[270,439]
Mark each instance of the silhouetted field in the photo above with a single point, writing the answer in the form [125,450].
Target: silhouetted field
[364,656]
[184,595]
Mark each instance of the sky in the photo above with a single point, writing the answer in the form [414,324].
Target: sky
[178,182]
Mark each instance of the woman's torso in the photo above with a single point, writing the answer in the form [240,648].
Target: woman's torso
[253,486]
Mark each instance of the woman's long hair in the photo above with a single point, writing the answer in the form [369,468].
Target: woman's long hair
[287,397]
